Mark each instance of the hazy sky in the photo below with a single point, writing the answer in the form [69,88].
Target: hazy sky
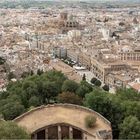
[138,1]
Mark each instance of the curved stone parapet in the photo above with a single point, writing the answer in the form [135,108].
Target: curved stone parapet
[72,115]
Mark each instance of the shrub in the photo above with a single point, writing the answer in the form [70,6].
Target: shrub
[93,80]
[106,87]
[90,121]
[97,83]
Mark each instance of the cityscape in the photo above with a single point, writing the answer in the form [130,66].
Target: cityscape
[70,69]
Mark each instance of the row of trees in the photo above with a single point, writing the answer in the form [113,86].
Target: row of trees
[54,87]
[11,75]
[98,83]
[34,90]
[39,89]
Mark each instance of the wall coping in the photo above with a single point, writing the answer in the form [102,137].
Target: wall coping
[72,106]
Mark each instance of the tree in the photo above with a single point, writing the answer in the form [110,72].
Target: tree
[121,24]
[34,101]
[55,76]
[97,100]
[12,110]
[39,72]
[93,80]
[70,86]
[2,61]
[11,76]
[29,87]
[97,83]
[10,130]
[31,72]
[33,90]
[130,128]
[84,77]
[128,94]
[109,108]
[83,89]
[131,108]
[24,74]
[49,91]
[106,87]
[68,97]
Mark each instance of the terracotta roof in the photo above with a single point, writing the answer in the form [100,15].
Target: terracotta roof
[136,86]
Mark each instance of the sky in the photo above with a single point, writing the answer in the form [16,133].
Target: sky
[81,0]
[138,1]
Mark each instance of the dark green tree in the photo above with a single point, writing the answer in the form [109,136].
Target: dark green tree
[24,74]
[97,83]
[34,101]
[10,130]
[128,94]
[97,101]
[130,128]
[68,97]
[50,91]
[93,80]
[29,88]
[70,86]
[131,108]
[11,75]
[2,61]
[106,87]
[31,72]
[84,77]
[83,89]
[56,76]
[12,109]
[33,90]
[106,106]
[39,72]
